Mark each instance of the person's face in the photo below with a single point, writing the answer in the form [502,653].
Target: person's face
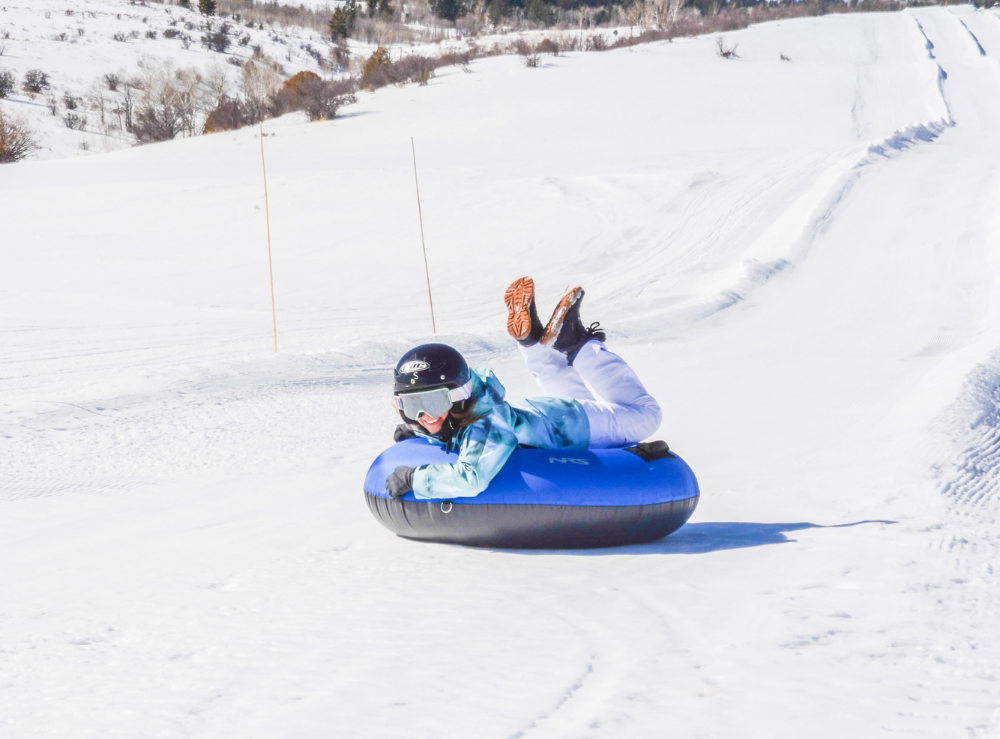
[432,425]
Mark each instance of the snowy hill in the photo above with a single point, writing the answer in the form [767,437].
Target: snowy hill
[799,257]
[101,60]
[80,45]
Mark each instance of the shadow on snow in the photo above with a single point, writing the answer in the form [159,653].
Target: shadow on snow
[701,538]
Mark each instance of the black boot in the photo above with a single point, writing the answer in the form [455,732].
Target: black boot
[522,318]
[566,332]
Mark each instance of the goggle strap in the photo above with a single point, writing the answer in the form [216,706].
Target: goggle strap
[463,392]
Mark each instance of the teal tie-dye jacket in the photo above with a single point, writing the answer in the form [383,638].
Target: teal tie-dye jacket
[484,445]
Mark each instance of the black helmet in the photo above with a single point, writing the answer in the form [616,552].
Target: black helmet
[431,379]
[430,366]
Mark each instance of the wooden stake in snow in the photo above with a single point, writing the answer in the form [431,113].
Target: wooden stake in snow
[423,244]
[267,215]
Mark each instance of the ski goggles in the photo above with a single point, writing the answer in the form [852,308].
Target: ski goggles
[434,402]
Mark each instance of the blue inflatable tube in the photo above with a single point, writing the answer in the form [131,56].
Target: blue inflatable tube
[542,499]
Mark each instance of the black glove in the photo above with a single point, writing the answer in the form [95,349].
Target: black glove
[403,432]
[650,451]
[400,482]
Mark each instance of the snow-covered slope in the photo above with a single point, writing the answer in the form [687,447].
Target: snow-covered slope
[81,47]
[77,44]
[798,257]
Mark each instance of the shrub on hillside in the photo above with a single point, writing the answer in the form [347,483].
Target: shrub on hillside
[525,50]
[548,46]
[725,50]
[597,42]
[647,37]
[462,58]
[294,87]
[228,116]
[7,83]
[75,121]
[16,139]
[217,40]
[161,102]
[314,53]
[341,55]
[371,74]
[152,123]
[36,81]
[412,68]
[322,99]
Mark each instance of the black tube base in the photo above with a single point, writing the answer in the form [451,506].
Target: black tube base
[531,526]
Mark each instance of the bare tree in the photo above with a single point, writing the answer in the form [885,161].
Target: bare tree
[260,82]
[674,10]
[167,103]
[184,90]
[217,83]
[16,139]
[127,94]
[97,99]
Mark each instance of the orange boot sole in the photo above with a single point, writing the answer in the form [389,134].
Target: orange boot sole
[559,315]
[518,301]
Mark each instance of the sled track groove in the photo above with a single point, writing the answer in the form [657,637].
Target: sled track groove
[970,587]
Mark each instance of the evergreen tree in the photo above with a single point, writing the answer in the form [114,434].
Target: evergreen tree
[342,21]
[497,10]
[186,4]
[449,10]
[539,12]
[207,7]
[379,7]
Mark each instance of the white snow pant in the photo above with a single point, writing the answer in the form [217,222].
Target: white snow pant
[618,407]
